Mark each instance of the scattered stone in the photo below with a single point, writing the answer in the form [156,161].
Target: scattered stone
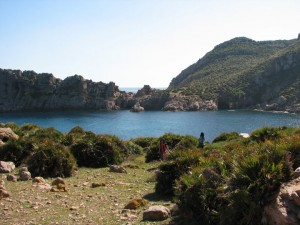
[6,167]
[156,213]
[244,135]
[59,188]
[297,172]
[25,175]
[117,169]
[130,166]
[72,208]
[39,180]
[285,208]
[43,186]
[11,177]
[94,185]
[23,169]
[58,180]
[136,203]
[3,192]
[7,133]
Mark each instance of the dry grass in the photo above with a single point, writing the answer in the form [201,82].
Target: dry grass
[82,204]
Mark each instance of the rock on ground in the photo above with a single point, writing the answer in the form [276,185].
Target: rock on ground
[7,133]
[156,213]
[285,209]
[6,167]
[117,169]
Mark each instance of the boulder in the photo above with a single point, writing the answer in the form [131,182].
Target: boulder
[43,186]
[285,208]
[25,175]
[136,203]
[117,169]
[11,177]
[39,180]
[97,184]
[7,133]
[58,181]
[23,169]
[6,167]
[297,172]
[4,193]
[156,213]
[137,108]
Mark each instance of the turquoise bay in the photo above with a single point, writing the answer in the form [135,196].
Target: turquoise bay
[128,125]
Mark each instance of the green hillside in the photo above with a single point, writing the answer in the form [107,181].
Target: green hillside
[242,73]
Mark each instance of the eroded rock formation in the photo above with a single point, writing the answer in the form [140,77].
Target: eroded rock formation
[28,90]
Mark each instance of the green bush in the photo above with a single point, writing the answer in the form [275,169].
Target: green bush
[144,142]
[101,152]
[15,128]
[16,151]
[52,160]
[170,171]
[265,133]
[187,142]
[173,141]
[133,149]
[199,199]
[40,135]
[226,137]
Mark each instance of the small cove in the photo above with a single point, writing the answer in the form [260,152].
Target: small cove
[128,125]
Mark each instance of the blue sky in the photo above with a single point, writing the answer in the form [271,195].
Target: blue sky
[132,42]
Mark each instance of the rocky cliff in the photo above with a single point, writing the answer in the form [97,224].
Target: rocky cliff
[31,91]
[28,90]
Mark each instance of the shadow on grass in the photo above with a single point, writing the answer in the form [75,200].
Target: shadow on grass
[153,197]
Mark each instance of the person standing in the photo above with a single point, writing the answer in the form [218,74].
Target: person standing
[201,140]
[163,149]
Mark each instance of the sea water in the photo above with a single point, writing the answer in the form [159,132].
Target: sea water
[128,125]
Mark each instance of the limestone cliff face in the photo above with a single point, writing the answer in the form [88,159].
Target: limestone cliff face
[154,99]
[31,91]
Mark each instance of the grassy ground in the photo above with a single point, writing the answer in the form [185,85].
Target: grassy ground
[82,204]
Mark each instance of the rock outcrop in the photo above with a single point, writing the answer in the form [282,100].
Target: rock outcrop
[6,167]
[28,90]
[285,210]
[6,134]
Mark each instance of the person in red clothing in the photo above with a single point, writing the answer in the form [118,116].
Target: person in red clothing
[163,149]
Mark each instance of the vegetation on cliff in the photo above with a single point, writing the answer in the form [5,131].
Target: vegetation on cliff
[243,73]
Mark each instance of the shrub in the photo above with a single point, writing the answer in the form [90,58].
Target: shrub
[144,142]
[15,128]
[40,135]
[170,171]
[105,150]
[52,160]
[173,141]
[187,142]
[265,133]
[199,199]
[133,149]
[226,137]
[16,151]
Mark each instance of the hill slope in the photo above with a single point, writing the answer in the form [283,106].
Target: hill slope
[242,73]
